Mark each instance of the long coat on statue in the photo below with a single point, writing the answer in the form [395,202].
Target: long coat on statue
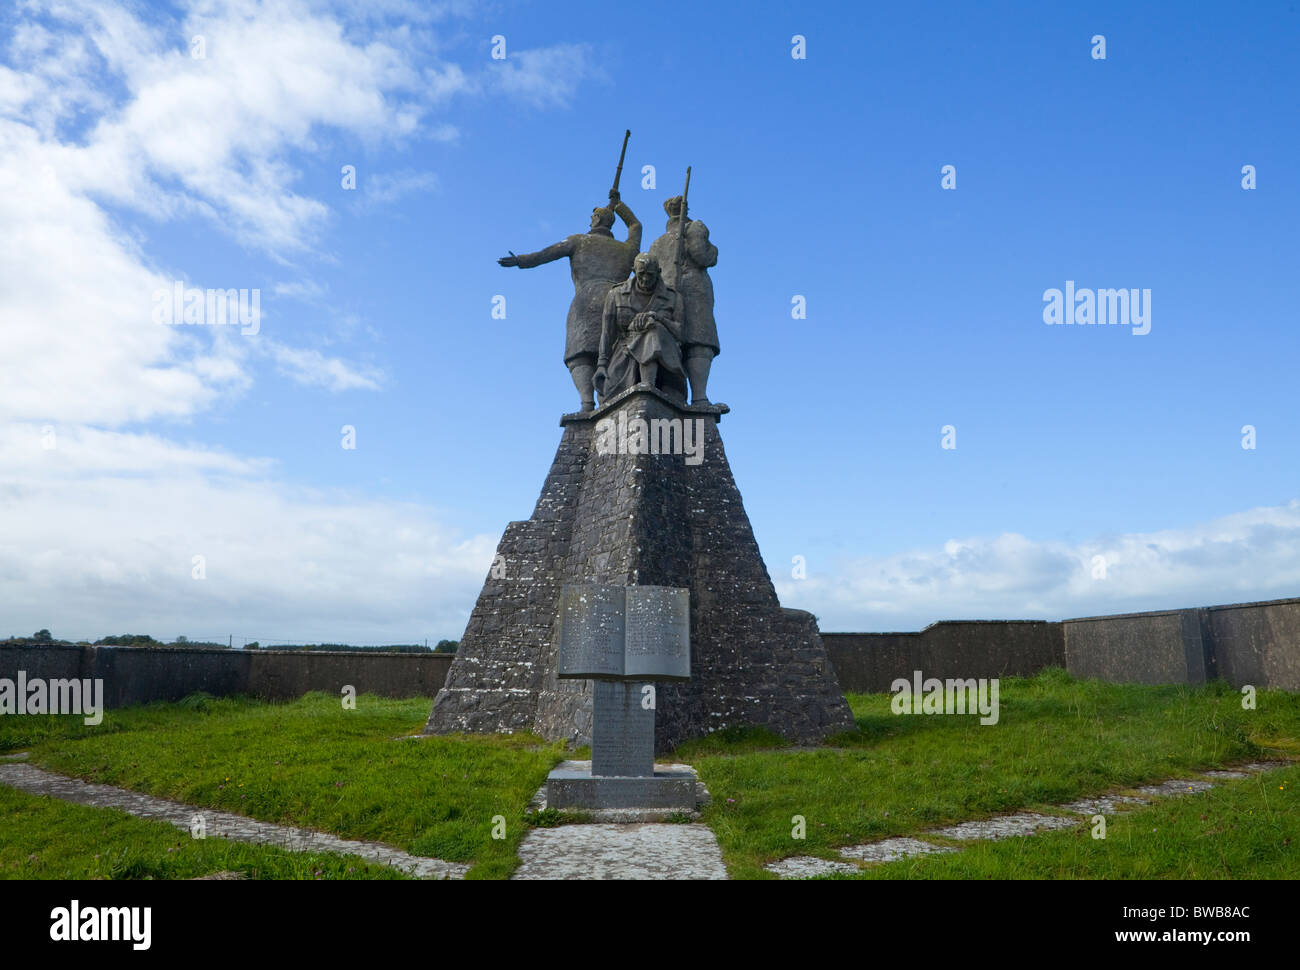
[694,288]
[596,262]
[624,345]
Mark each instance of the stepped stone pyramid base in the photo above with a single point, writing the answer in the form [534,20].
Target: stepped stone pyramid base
[640,519]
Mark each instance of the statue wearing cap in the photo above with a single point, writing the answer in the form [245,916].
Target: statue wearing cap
[695,290]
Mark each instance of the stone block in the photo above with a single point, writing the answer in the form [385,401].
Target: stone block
[567,789]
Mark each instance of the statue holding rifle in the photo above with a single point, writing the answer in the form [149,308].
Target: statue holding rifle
[597,261]
[686,258]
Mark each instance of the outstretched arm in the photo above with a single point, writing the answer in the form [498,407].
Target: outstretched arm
[548,255]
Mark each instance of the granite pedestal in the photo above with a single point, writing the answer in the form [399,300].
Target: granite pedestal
[569,789]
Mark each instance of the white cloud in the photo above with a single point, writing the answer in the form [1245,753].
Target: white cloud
[385,187]
[218,130]
[89,555]
[1245,556]
[178,135]
[105,117]
[313,368]
[78,341]
[76,451]
[308,291]
[546,76]
[168,135]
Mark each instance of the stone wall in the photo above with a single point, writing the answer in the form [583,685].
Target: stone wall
[49,663]
[1257,643]
[1143,648]
[870,662]
[1243,643]
[139,675]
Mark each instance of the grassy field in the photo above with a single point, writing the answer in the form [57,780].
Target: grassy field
[1057,739]
[311,763]
[1243,829]
[43,838]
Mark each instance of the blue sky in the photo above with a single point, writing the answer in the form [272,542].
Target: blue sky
[127,164]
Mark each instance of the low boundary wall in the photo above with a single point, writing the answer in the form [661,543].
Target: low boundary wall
[139,675]
[871,662]
[1244,643]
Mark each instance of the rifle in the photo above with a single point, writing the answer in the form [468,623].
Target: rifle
[618,172]
[681,233]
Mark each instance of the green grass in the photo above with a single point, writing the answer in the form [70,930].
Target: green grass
[311,763]
[44,838]
[1057,739]
[1243,829]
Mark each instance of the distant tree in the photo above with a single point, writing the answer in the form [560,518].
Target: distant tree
[446,646]
[254,645]
[182,639]
[354,648]
[129,640]
[43,636]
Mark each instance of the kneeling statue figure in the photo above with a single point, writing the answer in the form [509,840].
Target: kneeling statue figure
[640,340]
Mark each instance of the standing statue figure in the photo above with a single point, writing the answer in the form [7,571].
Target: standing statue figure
[695,290]
[640,337]
[597,261]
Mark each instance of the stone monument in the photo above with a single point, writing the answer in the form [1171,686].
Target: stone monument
[640,494]
[623,638]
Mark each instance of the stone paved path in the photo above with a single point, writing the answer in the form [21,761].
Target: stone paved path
[622,843]
[890,850]
[36,781]
[648,850]
[1006,826]
[807,866]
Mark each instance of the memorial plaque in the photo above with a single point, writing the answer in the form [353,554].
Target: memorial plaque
[591,632]
[625,632]
[658,633]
